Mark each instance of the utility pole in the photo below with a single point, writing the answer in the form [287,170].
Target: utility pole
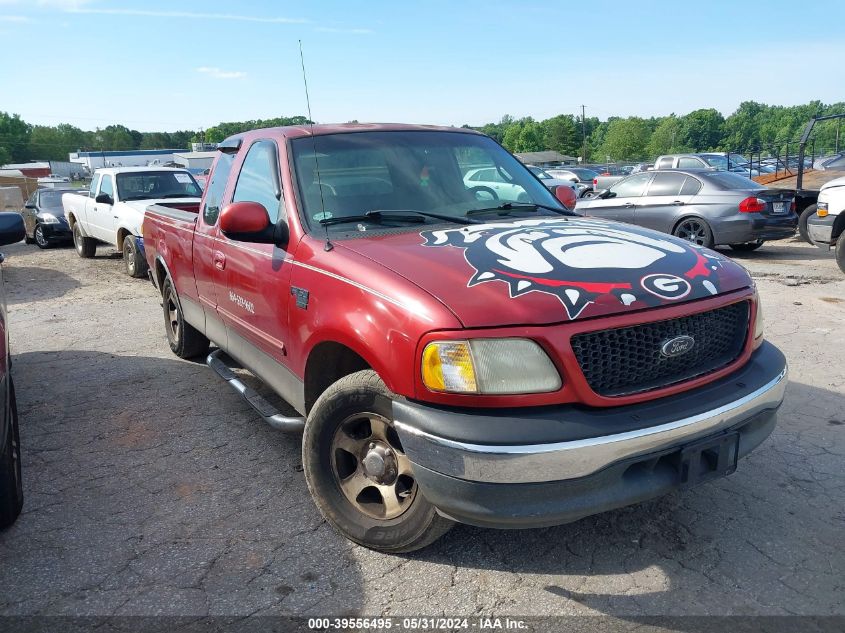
[583,136]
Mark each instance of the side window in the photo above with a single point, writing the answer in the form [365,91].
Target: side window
[107,186]
[92,190]
[666,184]
[687,163]
[631,187]
[257,181]
[690,187]
[31,199]
[665,163]
[216,187]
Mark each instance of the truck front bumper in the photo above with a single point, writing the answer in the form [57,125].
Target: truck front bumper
[821,229]
[553,465]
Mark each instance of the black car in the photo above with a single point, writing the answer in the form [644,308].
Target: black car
[11,490]
[45,219]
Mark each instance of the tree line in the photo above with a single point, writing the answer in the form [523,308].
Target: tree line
[752,125]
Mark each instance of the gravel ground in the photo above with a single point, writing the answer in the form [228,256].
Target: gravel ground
[151,488]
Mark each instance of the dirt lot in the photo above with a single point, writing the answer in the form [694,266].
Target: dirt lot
[153,489]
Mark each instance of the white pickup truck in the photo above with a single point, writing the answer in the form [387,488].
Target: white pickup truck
[113,209]
[827,225]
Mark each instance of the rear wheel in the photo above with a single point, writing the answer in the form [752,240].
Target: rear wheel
[802,223]
[747,246]
[136,265]
[695,230]
[85,246]
[11,483]
[184,339]
[840,252]
[358,473]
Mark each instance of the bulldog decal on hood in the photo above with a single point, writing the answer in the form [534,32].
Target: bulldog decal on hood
[579,260]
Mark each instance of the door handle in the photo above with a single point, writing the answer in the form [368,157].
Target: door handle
[629,205]
[219,260]
[678,203]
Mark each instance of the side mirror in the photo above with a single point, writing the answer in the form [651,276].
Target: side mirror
[566,196]
[573,180]
[104,198]
[11,228]
[605,193]
[249,222]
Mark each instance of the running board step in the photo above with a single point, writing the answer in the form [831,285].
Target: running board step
[263,408]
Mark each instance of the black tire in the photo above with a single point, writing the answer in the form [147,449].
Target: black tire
[11,486]
[184,339]
[86,247]
[747,246]
[802,223]
[40,240]
[362,398]
[840,252]
[136,265]
[28,240]
[695,230]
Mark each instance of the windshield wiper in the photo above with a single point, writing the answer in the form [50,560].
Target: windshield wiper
[410,215]
[514,206]
[179,195]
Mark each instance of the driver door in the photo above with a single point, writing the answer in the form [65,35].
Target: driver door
[621,204]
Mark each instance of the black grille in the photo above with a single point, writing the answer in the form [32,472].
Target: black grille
[629,360]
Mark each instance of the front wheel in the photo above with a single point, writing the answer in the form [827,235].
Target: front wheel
[840,252]
[802,223]
[747,246]
[184,339]
[40,240]
[358,473]
[86,247]
[11,482]
[694,230]
[133,259]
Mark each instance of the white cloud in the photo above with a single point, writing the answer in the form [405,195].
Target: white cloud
[218,73]
[14,18]
[330,29]
[188,14]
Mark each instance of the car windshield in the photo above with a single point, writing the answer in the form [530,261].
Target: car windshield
[52,200]
[148,185]
[542,175]
[716,160]
[731,180]
[584,174]
[444,173]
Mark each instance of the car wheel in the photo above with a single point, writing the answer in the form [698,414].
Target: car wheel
[694,230]
[185,340]
[136,265]
[40,240]
[747,246]
[85,246]
[840,252]
[11,482]
[802,223]
[358,473]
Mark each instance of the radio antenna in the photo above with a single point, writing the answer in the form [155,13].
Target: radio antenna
[328,246]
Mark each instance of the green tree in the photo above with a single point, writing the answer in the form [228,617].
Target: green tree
[702,129]
[562,135]
[666,138]
[14,138]
[531,138]
[55,142]
[510,138]
[626,139]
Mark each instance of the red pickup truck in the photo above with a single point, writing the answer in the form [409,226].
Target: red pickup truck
[453,356]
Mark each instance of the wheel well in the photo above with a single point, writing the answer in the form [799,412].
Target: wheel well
[327,363]
[121,235]
[838,226]
[160,273]
[689,217]
[71,219]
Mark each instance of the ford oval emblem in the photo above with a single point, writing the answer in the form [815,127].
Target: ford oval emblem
[677,346]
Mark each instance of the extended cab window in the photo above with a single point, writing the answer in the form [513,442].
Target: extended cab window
[258,181]
[689,163]
[665,163]
[107,186]
[216,188]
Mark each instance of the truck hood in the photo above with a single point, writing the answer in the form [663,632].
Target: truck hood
[141,205]
[836,182]
[548,270]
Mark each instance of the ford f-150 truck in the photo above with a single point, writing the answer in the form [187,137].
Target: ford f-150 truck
[113,208]
[451,356]
[827,225]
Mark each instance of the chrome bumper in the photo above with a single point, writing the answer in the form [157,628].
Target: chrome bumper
[579,458]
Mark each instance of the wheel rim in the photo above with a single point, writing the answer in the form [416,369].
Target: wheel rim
[370,467]
[128,258]
[39,236]
[77,239]
[692,231]
[172,313]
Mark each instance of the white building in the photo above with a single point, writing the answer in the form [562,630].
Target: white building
[128,158]
[194,160]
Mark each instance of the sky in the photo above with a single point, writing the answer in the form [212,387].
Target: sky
[157,65]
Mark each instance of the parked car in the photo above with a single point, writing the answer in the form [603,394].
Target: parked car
[449,358]
[113,208]
[552,182]
[827,226]
[11,483]
[44,218]
[834,161]
[706,207]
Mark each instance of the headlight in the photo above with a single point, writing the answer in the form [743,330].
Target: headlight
[488,366]
[49,218]
[758,321]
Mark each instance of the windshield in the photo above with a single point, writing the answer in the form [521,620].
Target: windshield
[447,173]
[52,200]
[148,185]
[716,161]
[584,174]
[542,175]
